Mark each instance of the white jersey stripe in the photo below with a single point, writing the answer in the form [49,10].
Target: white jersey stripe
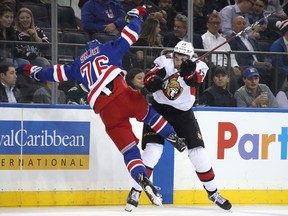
[129,35]
[56,75]
[96,89]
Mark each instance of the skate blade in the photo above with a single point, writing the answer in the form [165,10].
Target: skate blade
[154,199]
[129,207]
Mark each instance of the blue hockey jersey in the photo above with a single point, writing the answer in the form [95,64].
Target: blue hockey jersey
[98,66]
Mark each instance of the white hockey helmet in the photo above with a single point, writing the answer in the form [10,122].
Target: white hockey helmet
[185,48]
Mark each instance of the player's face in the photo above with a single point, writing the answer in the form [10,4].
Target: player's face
[178,59]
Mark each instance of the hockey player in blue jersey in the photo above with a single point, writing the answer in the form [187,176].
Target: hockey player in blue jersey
[100,70]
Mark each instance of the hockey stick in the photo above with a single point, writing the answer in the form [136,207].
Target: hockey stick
[248,28]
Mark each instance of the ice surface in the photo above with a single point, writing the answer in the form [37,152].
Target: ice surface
[167,210]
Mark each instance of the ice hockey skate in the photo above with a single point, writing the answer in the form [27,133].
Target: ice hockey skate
[132,199]
[150,190]
[217,199]
[178,143]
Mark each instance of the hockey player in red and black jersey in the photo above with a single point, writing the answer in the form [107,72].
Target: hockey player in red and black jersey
[173,81]
[100,70]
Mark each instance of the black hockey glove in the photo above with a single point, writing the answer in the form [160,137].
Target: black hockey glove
[187,68]
[153,83]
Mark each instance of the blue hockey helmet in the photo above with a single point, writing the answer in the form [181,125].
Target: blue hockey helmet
[92,44]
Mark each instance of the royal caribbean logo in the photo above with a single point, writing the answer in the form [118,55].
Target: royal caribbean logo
[38,145]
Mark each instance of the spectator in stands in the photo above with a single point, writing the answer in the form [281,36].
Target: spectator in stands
[228,13]
[199,17]
[135,79]
[257,13]
[161,16]
[180,33]
[282,97]
[7,33]
[247,43]
[27,87]
[211,39]
[218,94]
[77,95]
[8,92]
[102,16]
[254,94]
[27,31]
[275,5]
[280,45]
[149,37]
[43,95]
[166,5]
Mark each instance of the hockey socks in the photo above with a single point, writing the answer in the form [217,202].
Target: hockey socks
[203,168]
[158,123]
[134,163]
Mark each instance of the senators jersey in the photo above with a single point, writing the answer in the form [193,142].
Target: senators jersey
[176,92]
[98,66]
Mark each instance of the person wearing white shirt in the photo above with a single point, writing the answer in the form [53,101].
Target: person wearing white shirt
[249,46]
[228,13]
[211,39]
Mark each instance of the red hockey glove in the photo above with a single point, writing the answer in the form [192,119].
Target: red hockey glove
[194,79]
[142,11]
[153,83]
[29,70]
[198,77]
[187,68]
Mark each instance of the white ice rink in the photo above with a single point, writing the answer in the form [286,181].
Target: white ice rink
[149,211]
